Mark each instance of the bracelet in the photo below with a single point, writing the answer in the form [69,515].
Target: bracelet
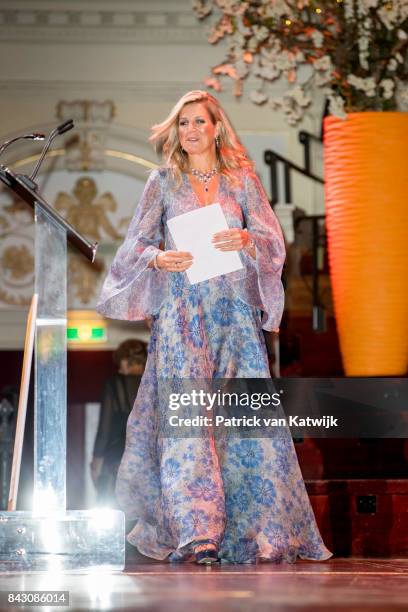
[251,243]
[155,265]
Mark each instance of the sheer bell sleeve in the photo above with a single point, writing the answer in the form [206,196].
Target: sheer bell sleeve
[265,230]
[131,290]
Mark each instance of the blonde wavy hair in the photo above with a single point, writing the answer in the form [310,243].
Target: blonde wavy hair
[231,154]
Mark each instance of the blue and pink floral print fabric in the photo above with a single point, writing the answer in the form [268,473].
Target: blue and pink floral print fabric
[245,494]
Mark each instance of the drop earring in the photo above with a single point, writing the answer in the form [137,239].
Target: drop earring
[217,141]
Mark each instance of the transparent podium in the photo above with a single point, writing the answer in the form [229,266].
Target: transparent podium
[50,538]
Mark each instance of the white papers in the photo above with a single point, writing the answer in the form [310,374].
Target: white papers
[193,232]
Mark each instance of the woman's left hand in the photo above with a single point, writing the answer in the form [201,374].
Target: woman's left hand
[234,239]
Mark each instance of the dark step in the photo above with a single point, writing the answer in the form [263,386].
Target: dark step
[362,517]
[304,352]
[352,458]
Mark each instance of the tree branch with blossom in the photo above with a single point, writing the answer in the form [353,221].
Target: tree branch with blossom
[357,51]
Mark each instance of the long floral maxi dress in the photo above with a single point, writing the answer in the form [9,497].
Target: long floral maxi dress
[245,494]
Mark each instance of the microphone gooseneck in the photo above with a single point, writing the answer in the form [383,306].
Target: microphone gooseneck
[33,136]
[60,129]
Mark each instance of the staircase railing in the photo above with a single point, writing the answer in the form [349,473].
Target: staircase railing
[273,159]
[306,138]
[318,239]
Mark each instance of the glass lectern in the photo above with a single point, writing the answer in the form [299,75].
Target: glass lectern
[50,538]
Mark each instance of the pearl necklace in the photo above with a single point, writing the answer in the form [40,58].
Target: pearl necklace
[204,177]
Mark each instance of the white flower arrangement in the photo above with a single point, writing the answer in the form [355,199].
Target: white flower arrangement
[356,50]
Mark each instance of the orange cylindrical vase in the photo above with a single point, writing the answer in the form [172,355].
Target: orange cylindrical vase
[366,198]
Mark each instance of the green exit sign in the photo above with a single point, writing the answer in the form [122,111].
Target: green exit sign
[86,333]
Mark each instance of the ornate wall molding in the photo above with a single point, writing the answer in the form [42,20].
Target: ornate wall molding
[85,149]
[119,90]
[90,22]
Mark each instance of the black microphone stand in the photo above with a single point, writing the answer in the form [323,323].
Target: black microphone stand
[27,189]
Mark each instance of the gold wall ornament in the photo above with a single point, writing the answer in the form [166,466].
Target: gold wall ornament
[87,211]
[19,206]
[16,250]
[17,262]
[15,214]
[16,268]
[83,278]
[12,299]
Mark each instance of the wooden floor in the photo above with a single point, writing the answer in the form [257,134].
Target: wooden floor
[379,585]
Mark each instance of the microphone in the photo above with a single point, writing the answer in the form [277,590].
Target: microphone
[65,127]
[33,136]
[60,129]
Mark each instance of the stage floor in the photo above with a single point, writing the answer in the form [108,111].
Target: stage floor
[335,585]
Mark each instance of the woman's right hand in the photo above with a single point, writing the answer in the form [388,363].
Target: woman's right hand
[174,261]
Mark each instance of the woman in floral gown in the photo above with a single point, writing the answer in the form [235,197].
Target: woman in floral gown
[201,498]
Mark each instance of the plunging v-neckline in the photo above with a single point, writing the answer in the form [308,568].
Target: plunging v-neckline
[216,193]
